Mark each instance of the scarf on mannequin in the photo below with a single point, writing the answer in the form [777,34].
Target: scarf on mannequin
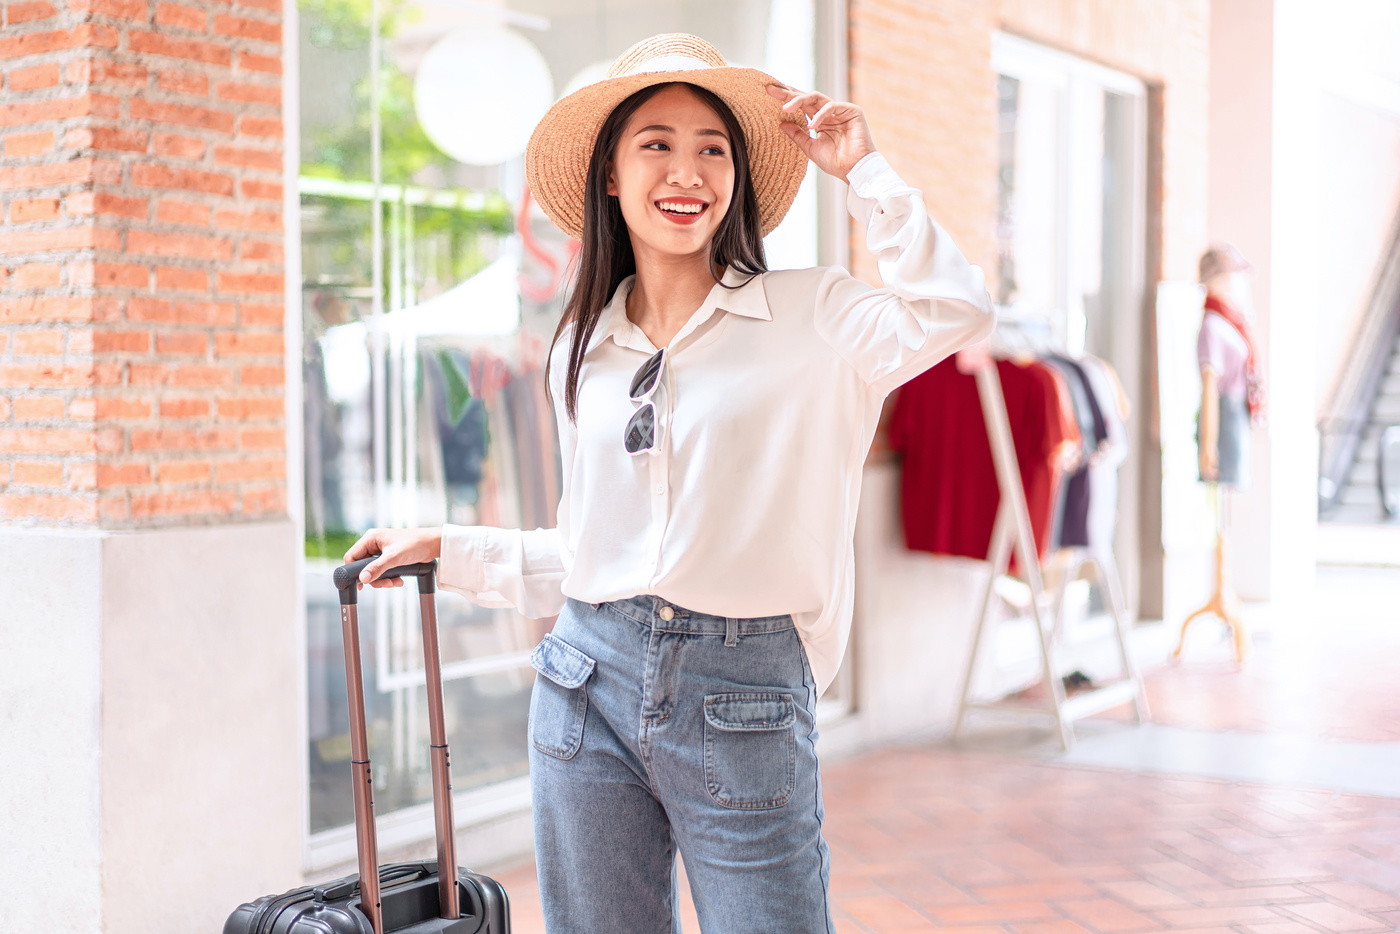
[1254,382]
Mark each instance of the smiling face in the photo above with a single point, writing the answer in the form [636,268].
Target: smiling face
[673,173]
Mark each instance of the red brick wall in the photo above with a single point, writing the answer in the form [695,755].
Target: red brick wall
[141,262]
[922,71]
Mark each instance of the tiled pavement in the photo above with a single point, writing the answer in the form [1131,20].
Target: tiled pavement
[1001,845]
[928,839]
[936,839]
[1331,676]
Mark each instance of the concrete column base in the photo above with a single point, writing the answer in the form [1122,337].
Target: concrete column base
[151,769]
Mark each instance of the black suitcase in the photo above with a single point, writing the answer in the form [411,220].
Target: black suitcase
[401,898]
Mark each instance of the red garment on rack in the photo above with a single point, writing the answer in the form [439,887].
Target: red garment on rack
[949,487]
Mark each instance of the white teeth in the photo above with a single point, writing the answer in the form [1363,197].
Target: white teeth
[680,208]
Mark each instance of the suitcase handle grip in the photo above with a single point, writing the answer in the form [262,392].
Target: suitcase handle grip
[348,575]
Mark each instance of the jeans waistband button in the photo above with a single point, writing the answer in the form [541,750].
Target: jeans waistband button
[667,613]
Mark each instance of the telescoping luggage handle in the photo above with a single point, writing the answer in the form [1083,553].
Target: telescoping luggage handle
[346,580]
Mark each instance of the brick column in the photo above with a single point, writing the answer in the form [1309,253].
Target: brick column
[149,630]
[141,312]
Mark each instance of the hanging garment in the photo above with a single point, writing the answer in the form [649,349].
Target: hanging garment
[949,485]
[321,423]
[1072,515]
[532,430]
[1102,518]
[430,489]
[461,418]
[500,488]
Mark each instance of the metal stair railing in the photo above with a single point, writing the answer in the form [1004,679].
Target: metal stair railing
[1353,402]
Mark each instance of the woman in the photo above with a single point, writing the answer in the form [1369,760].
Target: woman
[713,421]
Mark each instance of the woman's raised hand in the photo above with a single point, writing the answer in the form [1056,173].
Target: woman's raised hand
[394,547]
[842,137]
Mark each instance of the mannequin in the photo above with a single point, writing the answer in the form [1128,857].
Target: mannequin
[1231,402]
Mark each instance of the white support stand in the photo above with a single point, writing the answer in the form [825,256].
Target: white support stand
[1012,530]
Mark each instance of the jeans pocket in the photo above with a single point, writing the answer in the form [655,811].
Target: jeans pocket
[750,749]
[559,702]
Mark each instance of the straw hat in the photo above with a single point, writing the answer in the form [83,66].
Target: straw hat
[556,161]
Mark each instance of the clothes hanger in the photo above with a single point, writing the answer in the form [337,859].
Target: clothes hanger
[1020,337]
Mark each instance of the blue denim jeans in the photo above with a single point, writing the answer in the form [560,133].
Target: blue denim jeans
[655,729]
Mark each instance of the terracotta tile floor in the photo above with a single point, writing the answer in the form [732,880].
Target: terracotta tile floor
[930,839]
[1338,693]
[1331,675]
[938,839]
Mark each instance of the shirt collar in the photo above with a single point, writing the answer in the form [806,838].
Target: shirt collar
[740,294]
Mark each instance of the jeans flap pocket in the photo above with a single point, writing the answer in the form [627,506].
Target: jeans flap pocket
[560,662]
[747,711]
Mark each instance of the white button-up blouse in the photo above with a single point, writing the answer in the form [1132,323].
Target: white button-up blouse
[770,399]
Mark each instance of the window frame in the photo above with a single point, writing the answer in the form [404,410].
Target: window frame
[1024,60]
[1128,343]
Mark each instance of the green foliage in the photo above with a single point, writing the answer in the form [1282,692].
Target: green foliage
[407,149]
[456,387]
[344,24]
[332,545]
[344,151]
[336,249]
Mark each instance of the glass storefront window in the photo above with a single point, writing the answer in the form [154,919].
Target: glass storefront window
[1070,227]
[1067,191]
[431,288]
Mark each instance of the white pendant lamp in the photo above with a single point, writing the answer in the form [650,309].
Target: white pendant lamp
[480,91]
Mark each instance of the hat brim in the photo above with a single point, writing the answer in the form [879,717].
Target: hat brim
[556,160]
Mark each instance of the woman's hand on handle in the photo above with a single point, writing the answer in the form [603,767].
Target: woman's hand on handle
[842,136]
[394,547]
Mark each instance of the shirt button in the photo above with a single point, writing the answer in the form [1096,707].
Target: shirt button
[660,490]
[667,613]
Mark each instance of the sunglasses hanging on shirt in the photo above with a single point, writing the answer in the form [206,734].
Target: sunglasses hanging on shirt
[641,435]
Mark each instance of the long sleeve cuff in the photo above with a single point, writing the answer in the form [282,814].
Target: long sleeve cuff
[504,567]
[463,566]
[871,179]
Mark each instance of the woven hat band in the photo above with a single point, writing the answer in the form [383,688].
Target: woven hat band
[646,55]
[670,63]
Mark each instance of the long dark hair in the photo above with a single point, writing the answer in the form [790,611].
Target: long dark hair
[606,258]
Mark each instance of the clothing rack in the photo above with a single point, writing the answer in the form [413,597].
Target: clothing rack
[1012,531]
